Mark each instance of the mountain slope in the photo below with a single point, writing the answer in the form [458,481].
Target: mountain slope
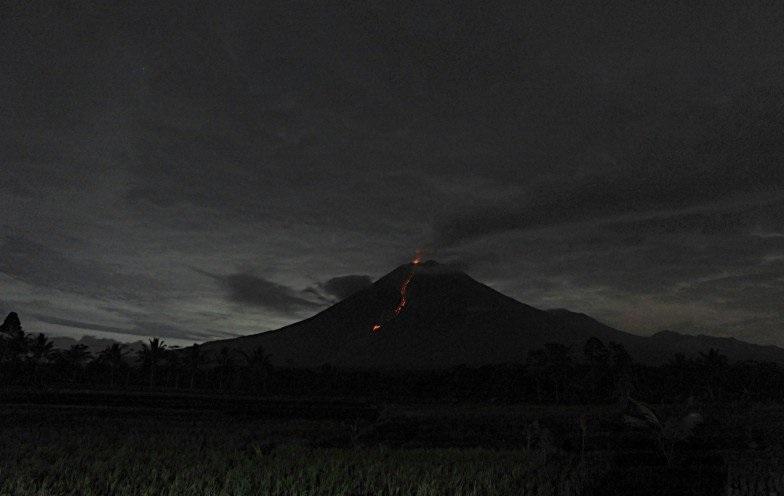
[670,342]
[448,319]
[664,345]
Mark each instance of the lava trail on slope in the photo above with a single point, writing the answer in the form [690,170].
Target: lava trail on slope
[403,293]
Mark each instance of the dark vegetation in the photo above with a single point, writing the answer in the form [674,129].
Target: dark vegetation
[555,424]
[600,373]
[57,451]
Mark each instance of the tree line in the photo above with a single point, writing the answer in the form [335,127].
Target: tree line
[31,361]
[556,374]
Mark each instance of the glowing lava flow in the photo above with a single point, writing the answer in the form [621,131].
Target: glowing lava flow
[403,291]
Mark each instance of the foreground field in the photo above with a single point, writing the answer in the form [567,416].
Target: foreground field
[294,471]
[406,450]
[55,451]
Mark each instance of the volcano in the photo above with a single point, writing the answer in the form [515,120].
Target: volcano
[450,319]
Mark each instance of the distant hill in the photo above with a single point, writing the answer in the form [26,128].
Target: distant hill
[673,342]
[449,319]
[664,345]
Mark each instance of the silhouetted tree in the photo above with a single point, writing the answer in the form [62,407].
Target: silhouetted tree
[75,359]
[680,371]
[40,355]
[553,365]
[173,366]
[597,358]
[225,367]
[595,352]
[15,348]
[114,358]
[621,373]
[560,364]
[151,355]
[259,366]
[550,371]
[619,357]
[714,370]
[194,360]
[11,324]
[537,369]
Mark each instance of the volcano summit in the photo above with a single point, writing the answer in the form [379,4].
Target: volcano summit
[446,318]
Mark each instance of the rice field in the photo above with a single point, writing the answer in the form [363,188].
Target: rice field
[67,452]
[289,471]
[81,450]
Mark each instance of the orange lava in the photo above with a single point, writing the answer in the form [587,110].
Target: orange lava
[404,294]
[403,291]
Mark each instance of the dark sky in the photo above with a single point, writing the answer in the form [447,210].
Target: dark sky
[196,171]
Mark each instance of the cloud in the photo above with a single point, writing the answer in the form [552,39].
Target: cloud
[606,202]
[142,328]
[49,319]
[246,288]
[344,286]
[731,156]
[254,290]
[615,153]
[32,262]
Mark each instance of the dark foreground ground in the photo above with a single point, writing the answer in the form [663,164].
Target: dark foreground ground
[106,444]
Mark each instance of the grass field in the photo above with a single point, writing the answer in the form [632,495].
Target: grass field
[57,451]
[408,450]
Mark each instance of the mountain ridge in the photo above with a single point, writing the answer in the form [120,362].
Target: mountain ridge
[447,319]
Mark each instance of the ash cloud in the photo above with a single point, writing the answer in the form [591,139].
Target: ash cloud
[247,288]
[344,286]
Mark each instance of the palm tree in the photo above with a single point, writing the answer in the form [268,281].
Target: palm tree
[225,364]
[536,366]
[621,371]
[40,351]
[114,357]
[194,359]
[553,363]
[18,344]
[40,347]
[173,366]
[259,366]
[560,365]
[714,366]
[151,354]
[620,359]
[681,372]
[596,357]
[75,357]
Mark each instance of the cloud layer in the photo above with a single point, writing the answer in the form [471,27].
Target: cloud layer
[621,160]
